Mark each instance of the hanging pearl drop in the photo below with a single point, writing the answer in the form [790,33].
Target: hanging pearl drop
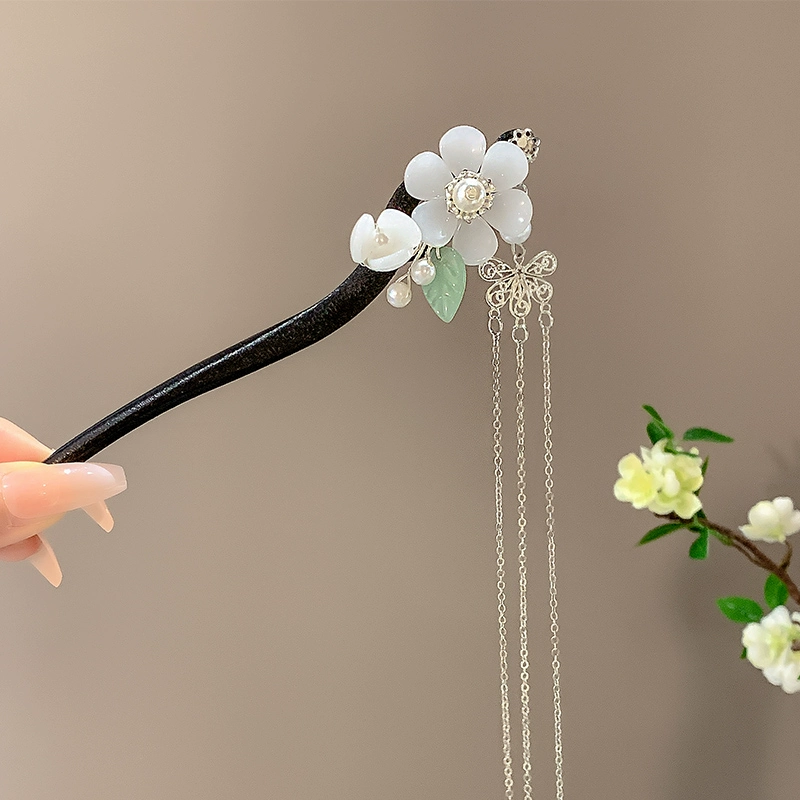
[423,272]
[398,294]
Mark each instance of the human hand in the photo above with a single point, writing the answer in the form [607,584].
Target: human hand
[34,496]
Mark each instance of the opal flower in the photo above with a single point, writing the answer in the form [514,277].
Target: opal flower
[386,244]
[772,520]
[662,482]
[468,189]
[770,648]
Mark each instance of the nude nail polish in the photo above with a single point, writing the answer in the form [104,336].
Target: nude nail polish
[45,489]
[44,559]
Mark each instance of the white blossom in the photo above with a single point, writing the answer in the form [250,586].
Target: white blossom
[769,646]
[386,244]
[467,189]
[772,520]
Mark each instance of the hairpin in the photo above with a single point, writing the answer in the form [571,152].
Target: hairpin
[450,213]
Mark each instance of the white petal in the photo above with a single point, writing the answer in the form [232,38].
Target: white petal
[463,147]
[475,241]
[763,515]
[362,239]
[510,213]
[519,239]
[784,507]
[436,223]
[505,165]
[403,237]
[389,262]
[426,176]
[793,523]
[400,228]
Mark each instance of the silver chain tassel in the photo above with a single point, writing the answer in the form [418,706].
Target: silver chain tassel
[520,286]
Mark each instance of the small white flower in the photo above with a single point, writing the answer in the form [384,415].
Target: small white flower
[769,648]
[772,520]
[467,189]
[386,244]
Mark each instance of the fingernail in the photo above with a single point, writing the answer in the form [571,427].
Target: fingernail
[101,515]
[47,489]
[44,559]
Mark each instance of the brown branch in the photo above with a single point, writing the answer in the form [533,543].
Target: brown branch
[753,553]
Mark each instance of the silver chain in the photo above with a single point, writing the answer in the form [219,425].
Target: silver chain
[546,322]
[521,285]
[496,329]
[520,336]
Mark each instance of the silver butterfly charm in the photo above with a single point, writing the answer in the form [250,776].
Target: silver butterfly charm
[520,284]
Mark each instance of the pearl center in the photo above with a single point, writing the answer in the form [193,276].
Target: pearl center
[469,195]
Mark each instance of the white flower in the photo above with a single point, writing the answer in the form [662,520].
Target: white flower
[467,189]
[387,244]
[663,482]
[772,520]
[769,648]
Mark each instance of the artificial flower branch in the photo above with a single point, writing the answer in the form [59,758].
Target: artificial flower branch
[751,552]
[667,480]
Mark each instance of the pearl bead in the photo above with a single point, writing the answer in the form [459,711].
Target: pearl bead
[398,294]
[423,272]
[469,195]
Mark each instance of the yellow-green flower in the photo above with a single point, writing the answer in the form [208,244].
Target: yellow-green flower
[662,482]
[636,486]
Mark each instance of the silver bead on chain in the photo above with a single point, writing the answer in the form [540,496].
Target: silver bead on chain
[519,286]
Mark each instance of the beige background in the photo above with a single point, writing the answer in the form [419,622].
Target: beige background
[297,601]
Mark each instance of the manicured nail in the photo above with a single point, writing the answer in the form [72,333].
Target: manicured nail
[44,559]
[101,515]
[46,489]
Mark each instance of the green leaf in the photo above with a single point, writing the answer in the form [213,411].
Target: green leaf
[699,548]
[677,451]
[705,435]
[653,413]
[721,536]
[661,530]
[657,431]
[740,609]
[775,591]
[445,292]
[744,653]
[704,467]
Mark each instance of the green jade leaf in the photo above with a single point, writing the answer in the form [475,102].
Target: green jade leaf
[445,292]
